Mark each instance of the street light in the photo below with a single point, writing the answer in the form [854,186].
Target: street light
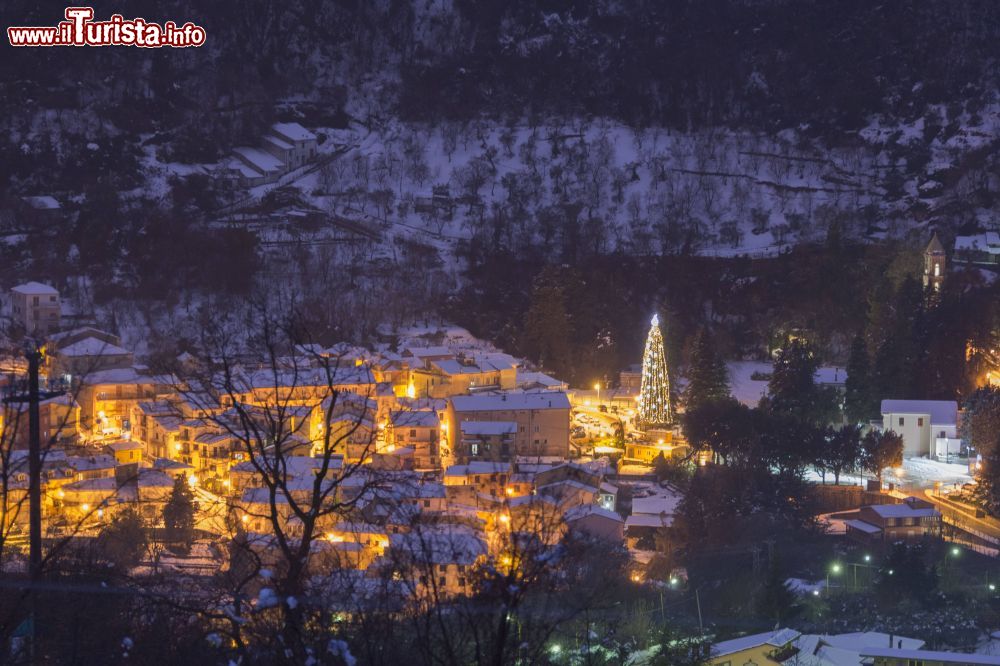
[597,387]
[835,570]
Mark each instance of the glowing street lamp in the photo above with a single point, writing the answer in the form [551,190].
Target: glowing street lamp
[835,570]
[597,387]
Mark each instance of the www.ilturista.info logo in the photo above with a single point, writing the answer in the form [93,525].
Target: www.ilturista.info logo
[79,29]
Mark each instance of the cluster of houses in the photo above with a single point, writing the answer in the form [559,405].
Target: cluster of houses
[285,148]
[456,441]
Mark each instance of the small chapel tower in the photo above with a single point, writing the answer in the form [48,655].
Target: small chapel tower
[934,265]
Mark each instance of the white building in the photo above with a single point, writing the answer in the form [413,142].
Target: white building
[928,427]
[35,306]
[292,143]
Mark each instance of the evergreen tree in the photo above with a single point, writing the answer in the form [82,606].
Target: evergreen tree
[777,600]
[898,358]
[793,389]
[859,398]
[988,476]
[178,516]
[981,422]
[547,330]
[708,378]
[123,541]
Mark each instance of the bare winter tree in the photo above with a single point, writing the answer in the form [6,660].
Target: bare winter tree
[303,421]
[499,595]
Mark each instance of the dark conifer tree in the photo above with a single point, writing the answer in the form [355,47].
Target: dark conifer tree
[708,378]
[859,398]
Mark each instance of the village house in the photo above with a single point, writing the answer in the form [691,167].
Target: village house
[126,452]
[417,429]
[488,478]
[542,418]
[157,424]
[595,521]
[768,647]
[288,146]
[928,427]
[488,440]
[58,421]
[76,358]
[651,517]
[436,562]
[292,143]
[107,397]
[880,524]
[35,307]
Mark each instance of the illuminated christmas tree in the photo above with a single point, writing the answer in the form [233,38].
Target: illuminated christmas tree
[654,395]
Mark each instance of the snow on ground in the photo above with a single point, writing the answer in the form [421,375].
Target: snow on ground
[924,472]
[915,473]
[803,587]
[748,380]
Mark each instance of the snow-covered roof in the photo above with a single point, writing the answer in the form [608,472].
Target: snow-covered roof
[267,378]
[35,289]
[862,526]
[776,638]
[167,464]
[903,510]
[440,545]
[278,143]
[125,445]
[261,160]
[118,376]
[842,649]
[539,378]
[427,352]
[859,640]
[487,428]
[584,510]
[941,412]
[424,418]
[91,346]
[656,505]
[43,202]
[510,401]
[985,242]
[649,520]
[293,132]
[477,467]
[927,656]
[90,463]
[244,170]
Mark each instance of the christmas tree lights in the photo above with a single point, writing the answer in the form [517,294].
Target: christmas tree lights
[654,394]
